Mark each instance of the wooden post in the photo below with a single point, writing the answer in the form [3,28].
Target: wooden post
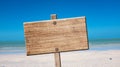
[57,58]
[57,54]
[53,16]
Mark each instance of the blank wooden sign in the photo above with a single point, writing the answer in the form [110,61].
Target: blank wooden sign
[56,35]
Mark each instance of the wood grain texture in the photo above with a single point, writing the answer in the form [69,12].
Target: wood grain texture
[65,34]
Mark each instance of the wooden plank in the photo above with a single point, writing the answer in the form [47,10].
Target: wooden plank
[65,34]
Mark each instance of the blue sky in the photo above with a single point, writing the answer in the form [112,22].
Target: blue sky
[103,16]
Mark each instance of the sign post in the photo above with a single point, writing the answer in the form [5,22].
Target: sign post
[56,54]
[57,59]
[55,36]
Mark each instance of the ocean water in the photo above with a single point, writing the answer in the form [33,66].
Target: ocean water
[18,47]
[106,44]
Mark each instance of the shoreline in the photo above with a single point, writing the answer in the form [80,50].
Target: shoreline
[23,52]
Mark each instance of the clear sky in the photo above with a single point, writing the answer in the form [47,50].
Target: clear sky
[103,16]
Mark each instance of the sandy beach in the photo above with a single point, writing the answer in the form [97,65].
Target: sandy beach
[88,58]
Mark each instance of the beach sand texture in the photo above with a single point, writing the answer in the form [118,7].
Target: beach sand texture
[108,58]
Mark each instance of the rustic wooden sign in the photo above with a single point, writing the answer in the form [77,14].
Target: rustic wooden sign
[56,35]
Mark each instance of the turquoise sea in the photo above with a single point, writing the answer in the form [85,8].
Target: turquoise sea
[12,47]
[18,47]
[104,44]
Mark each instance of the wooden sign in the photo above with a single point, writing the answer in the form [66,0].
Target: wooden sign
[57,35]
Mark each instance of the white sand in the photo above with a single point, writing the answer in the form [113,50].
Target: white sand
[108,58]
